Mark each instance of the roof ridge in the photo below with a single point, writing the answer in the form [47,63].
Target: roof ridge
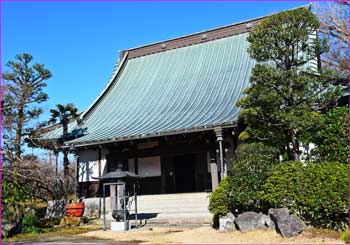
[212,29]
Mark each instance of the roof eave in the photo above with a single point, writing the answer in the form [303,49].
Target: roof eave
[151,135]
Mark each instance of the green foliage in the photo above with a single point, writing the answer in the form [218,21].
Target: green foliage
[63,113]
[317,192]
[285,98]
[14,193]
[22,93]
[331,140]
[8,215]
[30,224]
[345,236]
[282,37]
[219,199]
[251,168]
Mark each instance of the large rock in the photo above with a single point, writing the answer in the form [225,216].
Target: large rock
[8,230]
[249,221]
[266,222]
[227,223]
[288,225]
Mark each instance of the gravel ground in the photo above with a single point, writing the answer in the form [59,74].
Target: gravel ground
[208,235]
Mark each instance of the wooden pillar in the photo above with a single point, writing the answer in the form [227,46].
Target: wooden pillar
[214,174]
[136,165]
[77,192]
[219,137]
[163,174]
[100,183]
[56,177]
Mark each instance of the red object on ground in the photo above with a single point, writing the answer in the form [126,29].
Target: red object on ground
[75,209]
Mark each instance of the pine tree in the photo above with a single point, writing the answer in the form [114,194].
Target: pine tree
[286,96]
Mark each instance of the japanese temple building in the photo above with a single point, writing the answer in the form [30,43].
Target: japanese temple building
[168,113]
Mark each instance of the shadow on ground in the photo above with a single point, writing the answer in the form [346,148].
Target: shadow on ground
[70,240]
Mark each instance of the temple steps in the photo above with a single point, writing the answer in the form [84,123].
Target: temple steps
[170,209]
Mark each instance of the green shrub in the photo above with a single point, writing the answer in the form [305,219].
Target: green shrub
[283,185]
[219,200]
[251,167]
[331,138]
[8,215]
[316,192]
[345,235]
[30,224]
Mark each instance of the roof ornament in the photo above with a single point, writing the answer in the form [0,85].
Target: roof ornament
[249,25]
[163,45]
[204,36]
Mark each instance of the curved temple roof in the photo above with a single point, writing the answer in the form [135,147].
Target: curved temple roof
[184,89]
[185,84]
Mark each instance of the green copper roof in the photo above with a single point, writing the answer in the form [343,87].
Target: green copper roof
[183,89]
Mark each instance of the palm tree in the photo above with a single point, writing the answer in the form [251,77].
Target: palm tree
[64,114]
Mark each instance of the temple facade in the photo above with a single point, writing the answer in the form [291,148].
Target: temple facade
[168,113]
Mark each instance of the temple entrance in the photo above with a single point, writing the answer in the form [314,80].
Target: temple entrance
[184,167]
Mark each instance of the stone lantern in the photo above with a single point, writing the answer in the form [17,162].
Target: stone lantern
[122,187]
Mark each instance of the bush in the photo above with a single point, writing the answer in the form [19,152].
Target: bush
[316,192]
[251,167]
[345,236]
[30,224]
[219,200]
[8,215]
[331,139]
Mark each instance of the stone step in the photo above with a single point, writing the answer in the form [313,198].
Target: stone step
[167,209]
[179,221]
[187,196]
[170,219]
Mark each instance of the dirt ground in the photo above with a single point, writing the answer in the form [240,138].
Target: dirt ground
[208,235]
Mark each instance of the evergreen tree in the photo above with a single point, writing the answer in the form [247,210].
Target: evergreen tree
[23,91]
[22,94]
[286,95]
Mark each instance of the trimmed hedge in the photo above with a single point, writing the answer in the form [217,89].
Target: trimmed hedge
[219,199]
[332,137]
[316,192]
[251,167]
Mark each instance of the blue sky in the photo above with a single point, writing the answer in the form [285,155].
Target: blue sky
[79,41]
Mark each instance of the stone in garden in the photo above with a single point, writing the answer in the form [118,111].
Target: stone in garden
[227,222]
[8,230]
[288,225]
[249,221]
[278,212]
[266,222]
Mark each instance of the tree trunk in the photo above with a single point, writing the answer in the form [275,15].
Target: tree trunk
[18,136]
[295,146]
[17,146]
